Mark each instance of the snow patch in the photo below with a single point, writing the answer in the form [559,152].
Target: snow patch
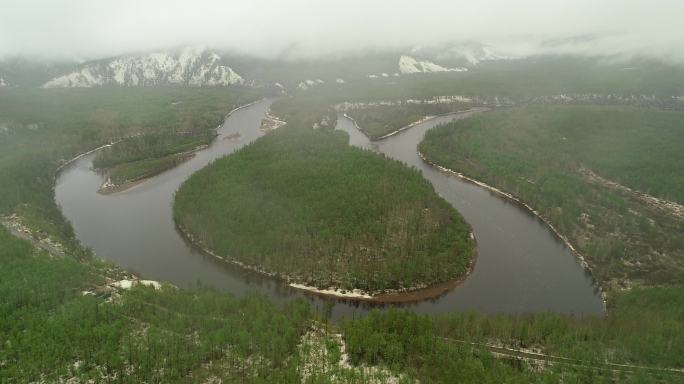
[476,56]
[319,360]
[308,84]
[409,65]
[356,293]
[128,284]
[191,66]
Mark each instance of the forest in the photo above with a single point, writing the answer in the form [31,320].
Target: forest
[519,80]
[165,145]
[51,330]
[303,204]
[643,329]
[380,121]
[146,155]
[41,129]
[60,318]
[541,155]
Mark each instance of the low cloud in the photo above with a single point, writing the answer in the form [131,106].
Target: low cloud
[294,29]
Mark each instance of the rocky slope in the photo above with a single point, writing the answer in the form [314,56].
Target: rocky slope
[189,66]
[469,54]
[410,65]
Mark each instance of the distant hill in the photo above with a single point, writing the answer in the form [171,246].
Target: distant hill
[191,66]
[20,71]
[469,54]
[409,65]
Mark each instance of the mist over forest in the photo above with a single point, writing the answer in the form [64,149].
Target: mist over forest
[341,191]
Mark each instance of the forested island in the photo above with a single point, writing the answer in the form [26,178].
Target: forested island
[163,144]
[303,205]
[137,158]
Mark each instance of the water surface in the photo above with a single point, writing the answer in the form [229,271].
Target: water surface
[521,266]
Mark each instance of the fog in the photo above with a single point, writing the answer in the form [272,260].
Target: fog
[87,29]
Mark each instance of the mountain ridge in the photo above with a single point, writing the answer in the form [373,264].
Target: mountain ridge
[193,66]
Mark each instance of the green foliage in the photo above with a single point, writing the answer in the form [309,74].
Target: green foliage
[309,191]
[50,330]
[137,170]
[515,79]
[537,153]
[152,145]
[40,128]
[304,204]
[380,121]
[407,342]
[151,153]
[643,328]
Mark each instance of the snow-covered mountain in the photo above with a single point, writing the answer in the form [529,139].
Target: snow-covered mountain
[189,66]
[477,54]
[3,83]
[409,65]
[466,54]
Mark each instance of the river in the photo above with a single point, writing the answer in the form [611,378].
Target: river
[521,266]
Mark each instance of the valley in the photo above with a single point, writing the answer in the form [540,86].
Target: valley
[312,237]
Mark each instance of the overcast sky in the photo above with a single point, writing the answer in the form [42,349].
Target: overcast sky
[89,29]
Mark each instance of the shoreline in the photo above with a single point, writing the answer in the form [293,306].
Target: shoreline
[240,107]
[580,258]
[271,123]
[66,163]
[60,167]
[411,125]
[108,188]
[407,295]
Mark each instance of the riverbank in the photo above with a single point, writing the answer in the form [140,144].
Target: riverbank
[108,187]
[580,258]
[413,124]
[408,295]
[271,123]
[317,231]
[542,156]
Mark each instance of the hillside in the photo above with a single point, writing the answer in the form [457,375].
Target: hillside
[609,178]
[191,66]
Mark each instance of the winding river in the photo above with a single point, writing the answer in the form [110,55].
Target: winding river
[521,267]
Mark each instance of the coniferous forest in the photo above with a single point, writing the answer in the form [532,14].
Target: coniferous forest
[305,205]
[301,203]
